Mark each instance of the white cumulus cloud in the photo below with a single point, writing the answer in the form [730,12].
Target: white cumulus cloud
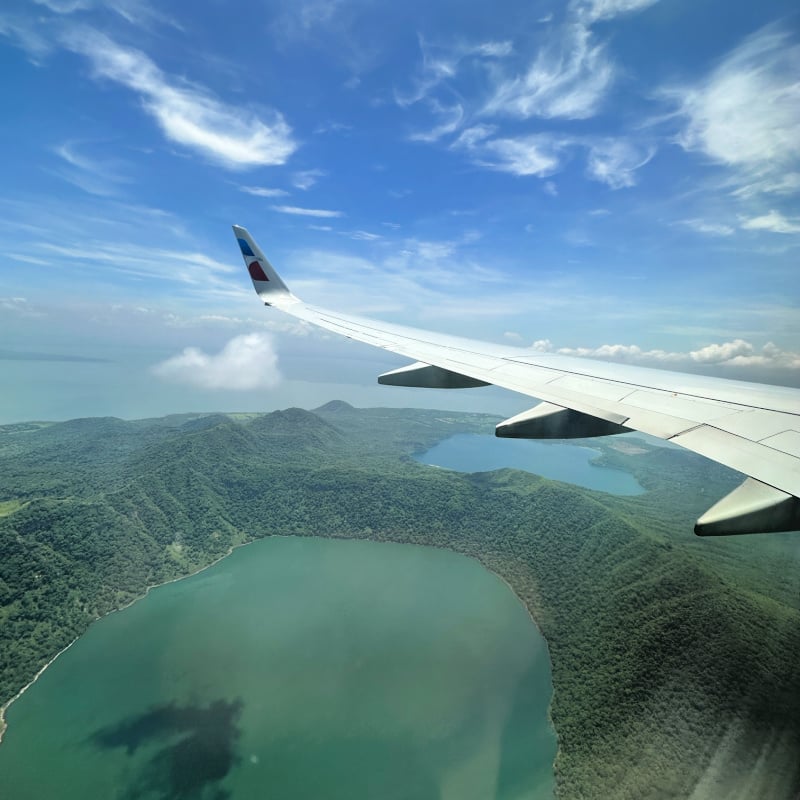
[245,363]
[188,114]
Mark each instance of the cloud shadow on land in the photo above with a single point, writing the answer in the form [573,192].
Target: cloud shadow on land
[195,749]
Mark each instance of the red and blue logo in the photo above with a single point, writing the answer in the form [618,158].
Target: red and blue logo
[254,268]
[256,271]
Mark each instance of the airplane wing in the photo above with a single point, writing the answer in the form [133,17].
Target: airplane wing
[752,428]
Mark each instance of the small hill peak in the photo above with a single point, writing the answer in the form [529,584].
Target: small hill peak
[335,407]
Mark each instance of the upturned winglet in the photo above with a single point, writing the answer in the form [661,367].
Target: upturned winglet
[268,284]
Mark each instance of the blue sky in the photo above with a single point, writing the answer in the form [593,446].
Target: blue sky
[616,178]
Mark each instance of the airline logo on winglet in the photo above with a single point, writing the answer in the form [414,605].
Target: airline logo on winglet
[245,248]
[256,271]
[253,267]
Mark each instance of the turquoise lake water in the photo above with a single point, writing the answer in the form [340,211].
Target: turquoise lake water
[297,668]
[469,452]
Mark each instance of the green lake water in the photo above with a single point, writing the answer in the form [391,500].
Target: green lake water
[297,668]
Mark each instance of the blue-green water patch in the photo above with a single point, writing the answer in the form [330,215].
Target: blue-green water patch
[297,668]
[470,452]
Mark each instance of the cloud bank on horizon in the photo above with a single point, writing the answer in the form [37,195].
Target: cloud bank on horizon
[593,172]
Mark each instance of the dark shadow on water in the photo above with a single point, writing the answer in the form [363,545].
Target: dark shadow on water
[185,752]
[195,749]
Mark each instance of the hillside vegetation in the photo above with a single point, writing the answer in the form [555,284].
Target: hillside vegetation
[676,660]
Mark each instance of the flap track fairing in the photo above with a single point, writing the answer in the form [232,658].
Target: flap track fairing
[425,376]
[549,421]
[753,507]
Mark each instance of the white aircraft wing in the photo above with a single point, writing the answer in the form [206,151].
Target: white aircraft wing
[753,428]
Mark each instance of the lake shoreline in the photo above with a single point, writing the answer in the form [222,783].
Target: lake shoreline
[6,706]
[547,645]
[4,709]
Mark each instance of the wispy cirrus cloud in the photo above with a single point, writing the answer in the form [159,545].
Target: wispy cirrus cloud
[745,115]
[365,236]
[245,363]
[136,12]
[65,6]
[441,62]
[592,11]
[98,176]
[450,118]
[432,272]
[188,267]
[323,213]
[773,221]
[707,227]
[263,191]
[188,114]
[614,161]
[306,178]
[537,154]
[568,79]
[27,36]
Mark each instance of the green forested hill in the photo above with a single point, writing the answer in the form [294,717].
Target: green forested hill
[676,660]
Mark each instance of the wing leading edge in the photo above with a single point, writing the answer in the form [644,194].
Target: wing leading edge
[752,428]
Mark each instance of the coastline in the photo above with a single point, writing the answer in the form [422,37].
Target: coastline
[6,706]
